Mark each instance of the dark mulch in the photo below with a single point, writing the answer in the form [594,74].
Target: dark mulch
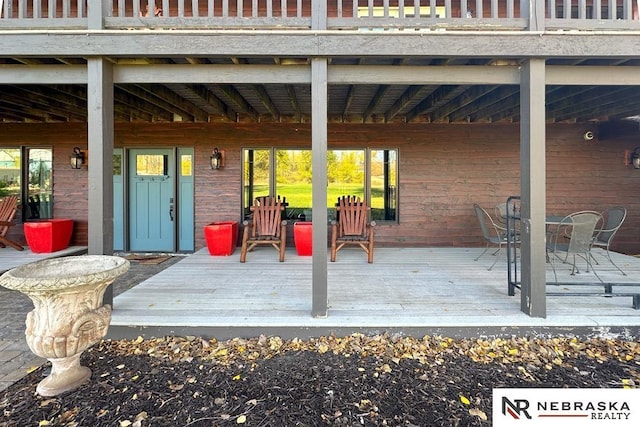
[347,382]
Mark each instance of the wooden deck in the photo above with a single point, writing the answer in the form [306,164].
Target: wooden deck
[414,291]
[10,258]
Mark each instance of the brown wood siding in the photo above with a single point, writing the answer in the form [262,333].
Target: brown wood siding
[444,169]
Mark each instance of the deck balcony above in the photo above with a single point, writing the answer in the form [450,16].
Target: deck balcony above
[332,15]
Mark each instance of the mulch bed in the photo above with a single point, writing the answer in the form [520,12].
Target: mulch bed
[348,381]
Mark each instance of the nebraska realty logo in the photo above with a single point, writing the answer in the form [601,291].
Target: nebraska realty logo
[565,407]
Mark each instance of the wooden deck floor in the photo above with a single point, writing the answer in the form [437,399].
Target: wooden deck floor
[407,290]
[10,258]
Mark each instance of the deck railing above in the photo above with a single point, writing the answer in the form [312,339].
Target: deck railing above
[361,15]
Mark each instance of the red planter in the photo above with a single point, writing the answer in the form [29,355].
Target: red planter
[221,237]
[303,238]
[48,235]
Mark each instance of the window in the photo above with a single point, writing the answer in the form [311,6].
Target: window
[368,173]
[32,166]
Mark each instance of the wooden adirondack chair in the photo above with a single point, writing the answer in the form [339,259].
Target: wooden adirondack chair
[352,227]
[266,228]
[8,208]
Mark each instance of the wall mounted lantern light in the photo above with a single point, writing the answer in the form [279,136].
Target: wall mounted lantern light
[77,159]
[635,158]
[217,159]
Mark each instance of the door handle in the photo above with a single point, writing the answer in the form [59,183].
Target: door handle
[171,209]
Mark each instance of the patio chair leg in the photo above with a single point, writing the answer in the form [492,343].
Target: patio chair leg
[483,252]
[614,264]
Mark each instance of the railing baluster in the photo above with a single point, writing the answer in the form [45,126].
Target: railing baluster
[559,14]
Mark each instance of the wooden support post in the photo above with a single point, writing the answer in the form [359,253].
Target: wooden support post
[319,100]
[532,187]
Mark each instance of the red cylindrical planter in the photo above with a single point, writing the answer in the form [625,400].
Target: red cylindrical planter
[303,237]
[48,235]
[221,237]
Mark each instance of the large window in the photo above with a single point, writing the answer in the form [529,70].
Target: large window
[27,173]
[368,173]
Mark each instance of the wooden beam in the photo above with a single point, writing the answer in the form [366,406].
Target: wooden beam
[51,101]
[204,92]
[266,100]
[487,44]
[593,100]
[32,108]
[173,102]
[138,108]
[403,101]
[375,100]
[213,73]
[238,100]
[466,98]
[11,109]
[437,98]
[490,111]
[293,99]
[481,109]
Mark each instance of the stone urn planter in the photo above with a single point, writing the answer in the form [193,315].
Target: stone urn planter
[68,315]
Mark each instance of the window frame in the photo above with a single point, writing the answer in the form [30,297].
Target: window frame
[247,182]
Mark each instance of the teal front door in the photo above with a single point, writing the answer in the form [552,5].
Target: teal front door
[152,210]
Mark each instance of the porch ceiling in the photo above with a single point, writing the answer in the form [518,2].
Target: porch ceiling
[292,102]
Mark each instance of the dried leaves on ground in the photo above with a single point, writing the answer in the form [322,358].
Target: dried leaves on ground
[355,380]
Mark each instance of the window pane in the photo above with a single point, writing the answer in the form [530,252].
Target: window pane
[293,181]
[186,165]
[117,164]
[9,172]
[151,165]
[255,176]
[40,185]
[345,174]
[384,176]
[345,177]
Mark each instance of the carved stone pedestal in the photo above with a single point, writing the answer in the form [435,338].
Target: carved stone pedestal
[68,316]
